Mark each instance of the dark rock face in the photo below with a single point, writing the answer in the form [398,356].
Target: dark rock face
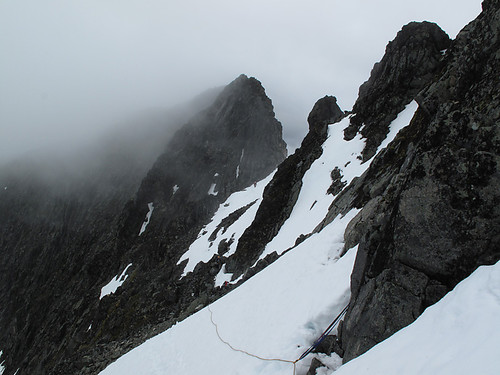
[282,192]
[431,201]
[225,148]
[329,345]
[410,63]
[60,259]
[54,214]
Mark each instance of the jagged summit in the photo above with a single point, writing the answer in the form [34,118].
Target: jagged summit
[230,145]
[410,62]
[244,87]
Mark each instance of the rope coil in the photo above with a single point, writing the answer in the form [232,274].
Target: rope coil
[318,341]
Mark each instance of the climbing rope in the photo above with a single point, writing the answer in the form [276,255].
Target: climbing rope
[326,332]
[318,341]
[245,352]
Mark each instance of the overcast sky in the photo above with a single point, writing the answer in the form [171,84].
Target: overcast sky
[68,69]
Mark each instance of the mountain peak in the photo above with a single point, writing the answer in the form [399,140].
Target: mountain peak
[409,64]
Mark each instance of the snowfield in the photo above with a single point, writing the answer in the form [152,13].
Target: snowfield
[458,335]
[276,314]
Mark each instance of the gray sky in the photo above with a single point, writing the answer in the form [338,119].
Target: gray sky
[68,69]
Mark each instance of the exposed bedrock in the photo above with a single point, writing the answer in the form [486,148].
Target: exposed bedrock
[410,63]
[431,201]
[281,194]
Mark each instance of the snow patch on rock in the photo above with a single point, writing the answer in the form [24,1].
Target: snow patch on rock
[203,249]
[147,219]
[2,368]
[212,191]
[115,283]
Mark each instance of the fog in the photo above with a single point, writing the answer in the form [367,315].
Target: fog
[72,70]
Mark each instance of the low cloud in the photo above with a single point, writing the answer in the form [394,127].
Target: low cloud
[70,70]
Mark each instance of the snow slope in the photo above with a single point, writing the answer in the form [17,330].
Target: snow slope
[458,335]
[276,314]
[313,201]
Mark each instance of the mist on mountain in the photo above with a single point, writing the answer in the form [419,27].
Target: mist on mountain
[70,70]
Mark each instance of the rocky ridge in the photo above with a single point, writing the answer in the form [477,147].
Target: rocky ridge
[224,148]
[422,226]
[410,63]
[430,200]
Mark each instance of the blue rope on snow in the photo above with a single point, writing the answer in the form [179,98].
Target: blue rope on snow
[324,334]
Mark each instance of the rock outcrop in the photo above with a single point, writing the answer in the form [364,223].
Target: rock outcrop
[431,199]
[410,63]
[281,194]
